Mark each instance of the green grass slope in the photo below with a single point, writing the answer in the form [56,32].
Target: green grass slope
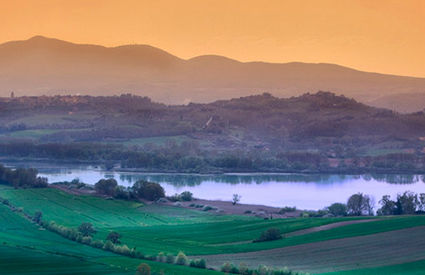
[27,249]
[156,228]
[368,247]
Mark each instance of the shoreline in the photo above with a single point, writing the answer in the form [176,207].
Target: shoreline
[59,163]
[218,206]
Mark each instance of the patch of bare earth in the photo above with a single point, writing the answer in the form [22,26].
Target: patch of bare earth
[380,249]
[226,207]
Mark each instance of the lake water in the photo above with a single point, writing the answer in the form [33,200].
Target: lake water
[305,191]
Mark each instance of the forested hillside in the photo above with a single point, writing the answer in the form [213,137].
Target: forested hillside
[321,126]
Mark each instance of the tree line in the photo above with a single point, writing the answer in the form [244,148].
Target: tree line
[406,203]
[140,190]
[188,157]
[21,177]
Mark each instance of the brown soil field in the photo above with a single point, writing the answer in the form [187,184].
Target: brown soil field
[380,249]
[326,227]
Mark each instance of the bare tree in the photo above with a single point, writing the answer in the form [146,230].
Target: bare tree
[236,199]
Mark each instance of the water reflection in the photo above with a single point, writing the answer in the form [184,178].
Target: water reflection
[309,191]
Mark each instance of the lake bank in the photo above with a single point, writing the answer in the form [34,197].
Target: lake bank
[305,191]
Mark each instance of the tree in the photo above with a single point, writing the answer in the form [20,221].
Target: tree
[338,209]
[388,207]
[143,269]
[360,204]
[236,199]
[22,178]
[421,202]
[147,190]
[37,216]
[407,203]
[114,237]
[86,229]
[106,187]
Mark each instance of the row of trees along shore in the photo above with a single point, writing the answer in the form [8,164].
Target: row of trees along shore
[357,205]
[188,157]
[406,203]
[21,177]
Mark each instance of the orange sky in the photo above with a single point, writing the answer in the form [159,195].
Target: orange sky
[385,36]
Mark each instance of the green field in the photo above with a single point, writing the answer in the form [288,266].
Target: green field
[157,228]
[25,248]
[375,247]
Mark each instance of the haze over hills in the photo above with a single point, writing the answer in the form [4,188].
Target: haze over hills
[254,132]
[49,66]
[236,123]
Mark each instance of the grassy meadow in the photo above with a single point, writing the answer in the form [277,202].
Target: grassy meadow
[379,245]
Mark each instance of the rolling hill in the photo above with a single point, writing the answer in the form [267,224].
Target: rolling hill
[45,66]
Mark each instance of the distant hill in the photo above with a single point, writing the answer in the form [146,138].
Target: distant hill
[49,66]
[320,121]
[404,103]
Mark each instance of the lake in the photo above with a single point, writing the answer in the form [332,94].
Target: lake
[305,191]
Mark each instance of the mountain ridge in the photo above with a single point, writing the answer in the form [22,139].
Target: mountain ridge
[51,66]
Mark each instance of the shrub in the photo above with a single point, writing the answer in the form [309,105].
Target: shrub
[229,268]
[170,259]
[312,213]
[97,244]
[123,250]
[186,196]
[86,240]
[122,193]
[243,269]
[337,209]
[37,217]
[262,270]
[174,198]
[287,209]
[143,269]
[109,246]
[270,234]
[208,208]
[198,263]
[181,259]
[161,257]
[138,254]
[226,267]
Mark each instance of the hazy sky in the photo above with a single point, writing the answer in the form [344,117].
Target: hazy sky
[385,36]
